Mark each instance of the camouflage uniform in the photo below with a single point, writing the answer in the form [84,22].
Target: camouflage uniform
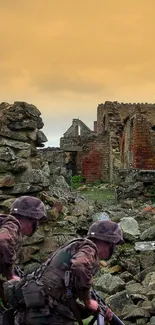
[81,258]
[11,235]
[10,240]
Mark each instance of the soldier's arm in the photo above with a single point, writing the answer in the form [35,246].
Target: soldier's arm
[83,263]
[9,238]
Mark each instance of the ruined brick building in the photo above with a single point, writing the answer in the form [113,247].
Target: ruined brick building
[123,137]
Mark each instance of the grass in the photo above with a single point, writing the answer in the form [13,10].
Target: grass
[85,321]
[105,196]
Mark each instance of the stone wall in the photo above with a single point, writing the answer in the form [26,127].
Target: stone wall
[20,135]
[93,160]
[138,142]
[123,136]
[91,155]
[131,132]
[25,166]
[135,183]
[124,109]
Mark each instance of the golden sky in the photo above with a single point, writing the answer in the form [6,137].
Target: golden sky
[66,56]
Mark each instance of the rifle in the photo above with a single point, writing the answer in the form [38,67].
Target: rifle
[18,271]
[100,315]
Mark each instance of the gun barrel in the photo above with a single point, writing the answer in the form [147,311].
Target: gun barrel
[100,319]
[116,321]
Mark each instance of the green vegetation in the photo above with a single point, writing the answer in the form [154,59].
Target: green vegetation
[105,196]
[100,191]
[76,181]
[86,321]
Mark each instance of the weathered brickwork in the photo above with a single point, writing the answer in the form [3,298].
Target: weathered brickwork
[123,137]
[92,155]
[93,162]
[138,143]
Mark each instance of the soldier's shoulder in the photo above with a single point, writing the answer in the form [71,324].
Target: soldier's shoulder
[8,218]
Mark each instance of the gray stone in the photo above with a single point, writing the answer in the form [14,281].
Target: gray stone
[14,144]
[60,182]
[148,234]
[130,228]
[6,154]
[27,253]
[152,320]
[133,288]
[116,302]
[22,188]
[35,239]
[149,281]
[110,284]
[41,137]
[32,135]
[24,153]
[18,165]
[146,258]
[145,246]
[25,124]
[7,180]
[100,216]
[134,312]
[46,174]
[16,135]
[33,176]
[7,204]
[81,207]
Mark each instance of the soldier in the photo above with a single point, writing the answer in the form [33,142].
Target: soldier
[24,218]
[51,292]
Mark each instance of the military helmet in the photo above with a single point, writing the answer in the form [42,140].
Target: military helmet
[106,230]
[29,206]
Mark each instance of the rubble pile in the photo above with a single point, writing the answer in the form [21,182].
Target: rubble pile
[127,281]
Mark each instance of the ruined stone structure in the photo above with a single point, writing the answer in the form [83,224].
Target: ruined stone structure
[24,168]
[123,137]
[27,168]
[86,153]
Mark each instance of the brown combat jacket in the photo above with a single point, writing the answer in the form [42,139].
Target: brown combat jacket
[80,256]
[10,240]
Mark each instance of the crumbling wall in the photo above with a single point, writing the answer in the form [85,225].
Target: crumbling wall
[135,183]
[108,120]
[92,155]
[138,142]
[131,131]
[24,168]
[125,110]
[93,160]
[20,135]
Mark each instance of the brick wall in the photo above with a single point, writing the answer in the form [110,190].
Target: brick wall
[138,143]
[124,110]
[143,144]
[93,160]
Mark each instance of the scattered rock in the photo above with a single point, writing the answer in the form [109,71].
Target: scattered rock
[130,228]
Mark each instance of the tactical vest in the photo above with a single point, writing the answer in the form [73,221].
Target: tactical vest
[48,280]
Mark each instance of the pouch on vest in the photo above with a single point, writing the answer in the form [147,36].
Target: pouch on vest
[34,294]
[13,293]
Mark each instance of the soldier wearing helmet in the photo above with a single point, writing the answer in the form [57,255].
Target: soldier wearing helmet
[80,259]
[25,215]
[106,235]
